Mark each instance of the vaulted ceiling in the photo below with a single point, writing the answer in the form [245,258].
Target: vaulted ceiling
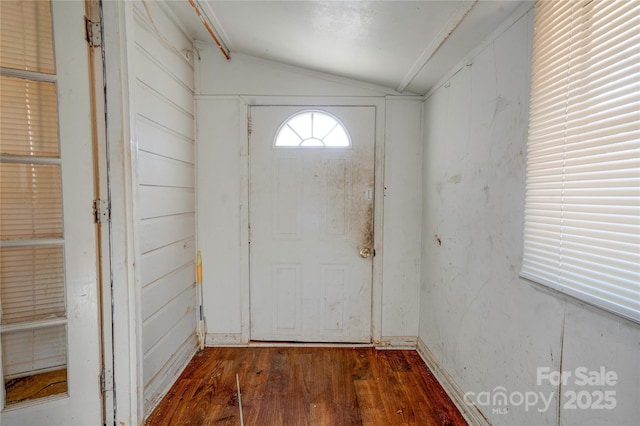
[404,45]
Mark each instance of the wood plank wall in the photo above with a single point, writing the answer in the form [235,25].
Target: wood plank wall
[163,101]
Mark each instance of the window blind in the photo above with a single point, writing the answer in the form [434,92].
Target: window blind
[582,212]
[29,114]
[33,332]
[30,201]
[34,351]
[32,283]
[26,41]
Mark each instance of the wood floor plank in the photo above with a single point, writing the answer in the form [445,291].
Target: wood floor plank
[393,401]
[299,386]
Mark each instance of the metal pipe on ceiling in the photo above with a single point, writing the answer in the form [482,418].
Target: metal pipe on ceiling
[209,28]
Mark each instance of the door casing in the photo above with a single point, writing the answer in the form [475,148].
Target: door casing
[101,167]
[244,104]
[118,29]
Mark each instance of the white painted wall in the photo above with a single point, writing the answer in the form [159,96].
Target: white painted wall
[162,84]
[486,326]
[250,76]
[220,164]
[402,224]
[224,92]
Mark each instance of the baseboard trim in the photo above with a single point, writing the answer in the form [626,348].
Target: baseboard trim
[470,412]
[264,344]
[235,339]
[224,339]
[172,370]
[396,342]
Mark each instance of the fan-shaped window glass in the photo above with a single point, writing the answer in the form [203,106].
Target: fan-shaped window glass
[313,129]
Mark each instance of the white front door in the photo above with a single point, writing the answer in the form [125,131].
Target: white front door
[49,323]
[311,223]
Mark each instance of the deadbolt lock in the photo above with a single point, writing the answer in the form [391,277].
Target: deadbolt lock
[365,253]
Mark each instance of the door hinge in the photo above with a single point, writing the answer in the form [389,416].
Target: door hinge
[249,125]
[93,32]
[101,211]
[106,381]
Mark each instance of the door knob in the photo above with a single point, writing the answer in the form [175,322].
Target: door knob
[365,253]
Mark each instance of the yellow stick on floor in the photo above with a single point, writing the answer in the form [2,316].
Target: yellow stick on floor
[199,289]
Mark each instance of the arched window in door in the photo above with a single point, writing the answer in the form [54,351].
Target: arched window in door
[312,129]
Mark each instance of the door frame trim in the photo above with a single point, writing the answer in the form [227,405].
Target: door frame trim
[244,106]
[101,166]
[118,28]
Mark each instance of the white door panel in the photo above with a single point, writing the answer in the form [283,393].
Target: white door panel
[81,403]
[311,212]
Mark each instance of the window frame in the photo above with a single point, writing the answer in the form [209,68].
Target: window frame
[311,147]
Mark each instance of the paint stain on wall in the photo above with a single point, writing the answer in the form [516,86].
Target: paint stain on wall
[455,178]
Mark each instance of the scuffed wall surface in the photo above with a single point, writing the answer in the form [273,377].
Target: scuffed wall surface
[219,215]
[224,91]
[163,100]
[402,183]
[248,75]
[488,328]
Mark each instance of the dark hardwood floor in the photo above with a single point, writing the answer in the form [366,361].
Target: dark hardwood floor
[306,386]
[35,386]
